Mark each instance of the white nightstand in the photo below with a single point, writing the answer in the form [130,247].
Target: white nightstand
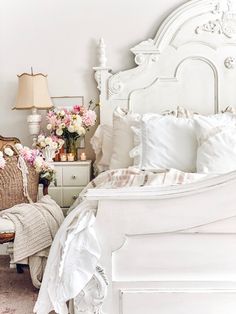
[71,178]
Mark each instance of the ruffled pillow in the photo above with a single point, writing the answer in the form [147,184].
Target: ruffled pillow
[216,143]
[102,145]
[123,139]
[164,142]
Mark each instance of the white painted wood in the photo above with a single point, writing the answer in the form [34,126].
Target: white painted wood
[179,302]
[76,175]
[69,195]
[176,237]
[54,192]
[71,178]
[190,62]
[172,250]
[102,53]
[140,297]
[59,175]
[3,249]
[10,246]
[176,257]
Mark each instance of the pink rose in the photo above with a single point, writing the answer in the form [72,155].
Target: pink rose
[83,110]
[76,109]
[89,118]
[67,120]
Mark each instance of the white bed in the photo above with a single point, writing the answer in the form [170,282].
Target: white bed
[151,268]
[165,250]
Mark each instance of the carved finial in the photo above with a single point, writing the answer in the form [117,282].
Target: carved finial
[102,53]
[101,71]
[229,5]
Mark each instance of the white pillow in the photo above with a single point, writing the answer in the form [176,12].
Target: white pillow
[102,145]
[164,142]
[123,139]
[216,143]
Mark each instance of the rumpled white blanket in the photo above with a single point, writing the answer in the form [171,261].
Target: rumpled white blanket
[35,227]
[72,261]
[75,251]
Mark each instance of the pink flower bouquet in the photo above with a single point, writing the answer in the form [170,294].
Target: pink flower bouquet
[71,123]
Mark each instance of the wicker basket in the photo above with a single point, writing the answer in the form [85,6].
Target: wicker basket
[11,184]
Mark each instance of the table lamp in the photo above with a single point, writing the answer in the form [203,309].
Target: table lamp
[33,94]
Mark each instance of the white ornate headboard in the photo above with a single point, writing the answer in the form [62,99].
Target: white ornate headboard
[191,62]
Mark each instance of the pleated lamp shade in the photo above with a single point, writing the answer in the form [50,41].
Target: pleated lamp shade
[33,92]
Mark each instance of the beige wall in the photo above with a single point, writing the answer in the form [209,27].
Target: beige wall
[59,37]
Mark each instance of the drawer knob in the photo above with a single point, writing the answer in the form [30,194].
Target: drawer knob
[74,197]
[74,177]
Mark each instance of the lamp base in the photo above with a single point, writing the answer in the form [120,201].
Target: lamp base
[34,121]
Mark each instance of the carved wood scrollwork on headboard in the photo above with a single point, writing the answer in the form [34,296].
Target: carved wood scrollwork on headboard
[224,22]
[190,62]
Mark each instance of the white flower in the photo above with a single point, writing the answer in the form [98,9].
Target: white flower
[41,138]
[76,127]
[71,129]
[78,120]
[81,131]
[48,140]
[62,113]
[1,154]
[62,126]
[18,146]
[38,163]
[59,132]
[54,145]
[8,151]
[42,144]
[49,126]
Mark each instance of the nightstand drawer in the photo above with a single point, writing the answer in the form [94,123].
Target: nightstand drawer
[69,195]
[54,192]
[75,176]
[56,195]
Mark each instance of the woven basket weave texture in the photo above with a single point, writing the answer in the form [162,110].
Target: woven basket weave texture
[11,184]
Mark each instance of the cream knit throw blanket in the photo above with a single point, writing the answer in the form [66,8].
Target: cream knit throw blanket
[35,227]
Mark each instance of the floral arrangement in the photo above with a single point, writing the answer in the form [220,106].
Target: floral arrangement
[71,123]
[52,142]
[34,158]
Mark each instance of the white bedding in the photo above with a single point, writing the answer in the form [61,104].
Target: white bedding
[75,253]
[164,142]
[179,139]
[216,143]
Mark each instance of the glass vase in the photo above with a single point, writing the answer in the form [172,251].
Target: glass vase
[71,147]
[49,153]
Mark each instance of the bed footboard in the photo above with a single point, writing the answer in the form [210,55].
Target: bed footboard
[171,253]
